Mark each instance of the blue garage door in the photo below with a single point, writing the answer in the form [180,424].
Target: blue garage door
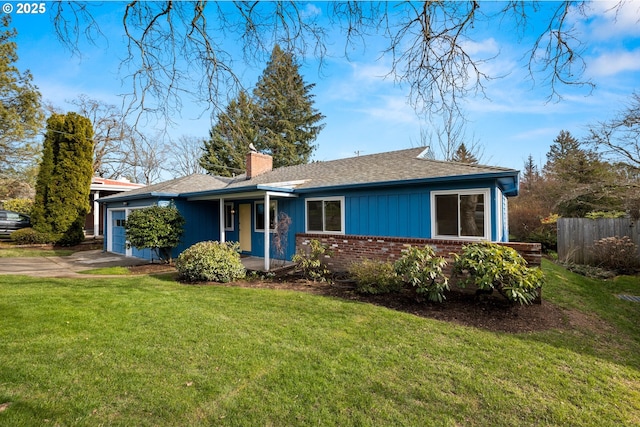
[119,244]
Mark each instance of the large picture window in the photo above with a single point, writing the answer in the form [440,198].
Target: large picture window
[273,209]
[325,215]
[463,214]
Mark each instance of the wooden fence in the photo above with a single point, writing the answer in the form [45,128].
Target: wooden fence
[577,235]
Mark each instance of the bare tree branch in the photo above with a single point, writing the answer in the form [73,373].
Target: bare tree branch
[185,154]
[619,138]
[557,53]
[179,51]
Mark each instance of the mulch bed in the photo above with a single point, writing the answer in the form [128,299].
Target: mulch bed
[490,312]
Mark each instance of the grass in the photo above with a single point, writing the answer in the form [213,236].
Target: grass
[147,351]
[110,271]
[9,252]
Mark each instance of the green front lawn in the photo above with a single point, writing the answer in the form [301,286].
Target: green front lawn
[147,351]
[10,252]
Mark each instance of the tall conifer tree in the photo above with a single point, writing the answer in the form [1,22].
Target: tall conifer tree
[228,144]
[287,122]
[64,180]
[581,181]
[463,155]
[279,120]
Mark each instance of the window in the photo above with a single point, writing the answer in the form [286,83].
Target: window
[229,216]
[325,215]
[461,214]
[273,208]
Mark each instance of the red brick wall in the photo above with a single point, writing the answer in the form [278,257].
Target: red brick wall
[348,249]
[258,163]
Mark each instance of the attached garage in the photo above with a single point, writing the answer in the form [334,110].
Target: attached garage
[118,240]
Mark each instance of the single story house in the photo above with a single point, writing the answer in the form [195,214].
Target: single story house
[368,201]
[103,187]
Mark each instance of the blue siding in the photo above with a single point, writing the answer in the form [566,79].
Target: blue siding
[294,208]
[391,211]
[201,222]
[144,254]
[397,213]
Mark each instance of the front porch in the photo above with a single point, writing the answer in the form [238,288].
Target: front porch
[253,263]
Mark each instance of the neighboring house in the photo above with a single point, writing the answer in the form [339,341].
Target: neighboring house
[395,197]
[102,187]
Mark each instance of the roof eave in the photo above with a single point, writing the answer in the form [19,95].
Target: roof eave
[127,196]
[508,175]
[248,190]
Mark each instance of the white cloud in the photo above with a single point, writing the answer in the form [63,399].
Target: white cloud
[394,109]
[606,20]
[359,81]
[612,63]
[486,46]
[370,73]
[310,10]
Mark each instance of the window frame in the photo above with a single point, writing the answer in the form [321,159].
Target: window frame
[339,199]
[232,216]
[486,192]
[273,218]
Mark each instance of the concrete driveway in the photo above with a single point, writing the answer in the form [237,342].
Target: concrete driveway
[68,266]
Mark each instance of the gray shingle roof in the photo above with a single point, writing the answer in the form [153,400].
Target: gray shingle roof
[174,187]
[392,166]
[389,167]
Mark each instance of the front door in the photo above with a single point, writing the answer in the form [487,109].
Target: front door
[245,227]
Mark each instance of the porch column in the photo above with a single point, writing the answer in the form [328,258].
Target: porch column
[96,214]
[267,231]
[222,231]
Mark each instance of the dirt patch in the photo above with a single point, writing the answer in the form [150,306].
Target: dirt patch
[492,313]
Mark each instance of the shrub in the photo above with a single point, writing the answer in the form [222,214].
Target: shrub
[490,266]
[421,268]
[74,235]
[619,254]
[605,214]
[211,261]
[29,236]
[280,237]
[375,277]
[22,206]
[157,227]
[311,263]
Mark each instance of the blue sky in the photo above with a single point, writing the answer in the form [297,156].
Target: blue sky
[366,113]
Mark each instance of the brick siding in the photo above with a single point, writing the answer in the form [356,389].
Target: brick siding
[348,249]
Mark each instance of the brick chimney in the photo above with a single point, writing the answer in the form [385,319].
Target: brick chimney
[258,163]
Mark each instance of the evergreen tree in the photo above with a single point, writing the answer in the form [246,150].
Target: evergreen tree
[569,162]
[530,175]
[21,116]
[228,144]
[463,155]
[64,180]
[287,122]
[40,211]
[581,182]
